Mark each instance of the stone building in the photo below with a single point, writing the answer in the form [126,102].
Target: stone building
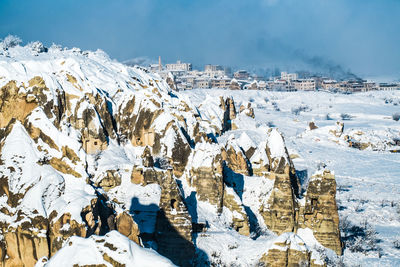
[304,84]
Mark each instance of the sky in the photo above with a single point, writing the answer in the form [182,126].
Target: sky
[362,36]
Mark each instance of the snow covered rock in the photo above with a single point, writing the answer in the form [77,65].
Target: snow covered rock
[97,146]
[289,250]
[320,211]
[112,249]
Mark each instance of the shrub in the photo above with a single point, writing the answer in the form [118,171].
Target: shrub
[296,110]
[37,47]
[328,117]
[346,116]
[396,243]
[396,116]
[10,41]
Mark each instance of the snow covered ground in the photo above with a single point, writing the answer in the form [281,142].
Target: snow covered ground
[368,181]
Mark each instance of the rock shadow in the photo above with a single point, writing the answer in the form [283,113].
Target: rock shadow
[234,180]
[159,233]
[302,177]
[145,216]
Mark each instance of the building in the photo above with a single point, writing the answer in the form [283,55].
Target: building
[221,82]
[179,66]
[262,85]
[211,68]
[280,85]
[202,82]
[388,86]
[241,75]
[329,85]
[304,84]
[289,77]
[369,86]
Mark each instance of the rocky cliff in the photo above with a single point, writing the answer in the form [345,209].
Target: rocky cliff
[96,147]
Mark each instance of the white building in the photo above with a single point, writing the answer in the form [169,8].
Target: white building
[202,83]
[329,84]
[179,66]
[304,84]
[288,76]
[388,86]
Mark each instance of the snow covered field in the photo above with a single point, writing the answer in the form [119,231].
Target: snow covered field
[368,181]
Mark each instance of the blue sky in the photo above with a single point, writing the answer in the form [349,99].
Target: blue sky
[361,35]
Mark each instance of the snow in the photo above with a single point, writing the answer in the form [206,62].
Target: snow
[86,251]
[276,144]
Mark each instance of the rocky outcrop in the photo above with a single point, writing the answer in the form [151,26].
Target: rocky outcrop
[288,250]
[247,110]
[109,179]
[236,160]
[10,98]
[127,226]
[279,212]
[320,211]
[339,128]
[22,246]
[228,106]
[240,221]
[312,126]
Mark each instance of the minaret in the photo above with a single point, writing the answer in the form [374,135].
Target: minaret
[159,63]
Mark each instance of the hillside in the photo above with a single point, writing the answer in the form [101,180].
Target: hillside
[101,163]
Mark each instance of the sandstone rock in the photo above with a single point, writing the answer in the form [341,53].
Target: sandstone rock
[24,248]
[64,227]
[339,129]
[312,126]
[180,153]
[145,176]
[320,211]
[279,212]
[9,100]
[148,160]
[63,167]
[127,226]
[228,106]
[248,110]
[206,174]
[109,179]
[240,221]
[259,161]
[288,250]
[236,160]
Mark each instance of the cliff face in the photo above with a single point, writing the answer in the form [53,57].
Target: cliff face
[98,146]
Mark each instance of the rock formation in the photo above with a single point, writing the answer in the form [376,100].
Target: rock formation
[288,250]
[93,143]
[240,221]
[320,211]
